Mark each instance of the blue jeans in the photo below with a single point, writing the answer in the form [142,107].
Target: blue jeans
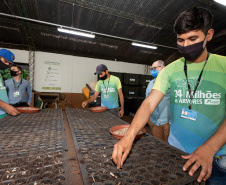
[218,176]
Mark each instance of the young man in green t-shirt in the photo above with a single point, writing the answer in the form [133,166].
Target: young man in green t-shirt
[197,85]
[111,90]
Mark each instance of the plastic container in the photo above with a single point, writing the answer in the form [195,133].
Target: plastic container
[118,127]
[28,109]
[98,109]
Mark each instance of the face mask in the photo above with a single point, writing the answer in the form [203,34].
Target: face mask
[191,52]
[14,73]
[3,66]
[154,73]
[104,77]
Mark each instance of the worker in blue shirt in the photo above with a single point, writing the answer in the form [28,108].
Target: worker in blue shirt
[160,118]
[6,58]
[18,89]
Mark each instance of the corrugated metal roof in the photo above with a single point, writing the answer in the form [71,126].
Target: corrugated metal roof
[143,20]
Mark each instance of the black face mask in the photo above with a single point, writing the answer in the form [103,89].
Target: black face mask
[14,73]
[3,66]
[104,77]
[191,52]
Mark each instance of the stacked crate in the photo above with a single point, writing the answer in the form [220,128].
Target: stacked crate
[150,162]
[135,85]
[134,90]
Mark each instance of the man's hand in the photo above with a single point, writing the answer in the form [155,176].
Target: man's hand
[121,151]
[121,113]
[29,104]
[201,157]
[84,104]
[123,147]
[11,110]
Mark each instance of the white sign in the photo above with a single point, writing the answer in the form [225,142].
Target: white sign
[52,75]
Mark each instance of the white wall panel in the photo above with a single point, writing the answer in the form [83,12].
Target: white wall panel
[75,71]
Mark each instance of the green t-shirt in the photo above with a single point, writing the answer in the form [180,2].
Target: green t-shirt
[209,101]
[3,95]
[109,91]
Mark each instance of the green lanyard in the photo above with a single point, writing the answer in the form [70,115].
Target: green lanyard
[107,86]
[17,87]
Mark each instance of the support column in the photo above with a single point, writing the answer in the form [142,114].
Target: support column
[31,62]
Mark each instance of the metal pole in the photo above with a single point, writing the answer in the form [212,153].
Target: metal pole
[31,62]
[146,70]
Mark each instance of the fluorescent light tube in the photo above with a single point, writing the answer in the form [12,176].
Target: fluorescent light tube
[144,45]
[76,32]
[223,2]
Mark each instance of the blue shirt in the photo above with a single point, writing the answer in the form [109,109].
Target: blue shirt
[161,114]
[22,87]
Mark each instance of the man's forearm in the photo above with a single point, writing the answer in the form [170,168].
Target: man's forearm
[2,104]
[92,98]
[121,99]
[218,139]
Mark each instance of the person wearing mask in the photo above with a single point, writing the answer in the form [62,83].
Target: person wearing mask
[111,89]
[6,58]
[18,89]
[160,118]
[197,83]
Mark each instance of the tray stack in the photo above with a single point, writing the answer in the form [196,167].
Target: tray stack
[151,161]
[33,149]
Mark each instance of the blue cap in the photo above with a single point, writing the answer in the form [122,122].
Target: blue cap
[100,68]
[6,54]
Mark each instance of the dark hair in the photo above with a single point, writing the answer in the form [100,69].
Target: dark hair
[18,67]
[194,18]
